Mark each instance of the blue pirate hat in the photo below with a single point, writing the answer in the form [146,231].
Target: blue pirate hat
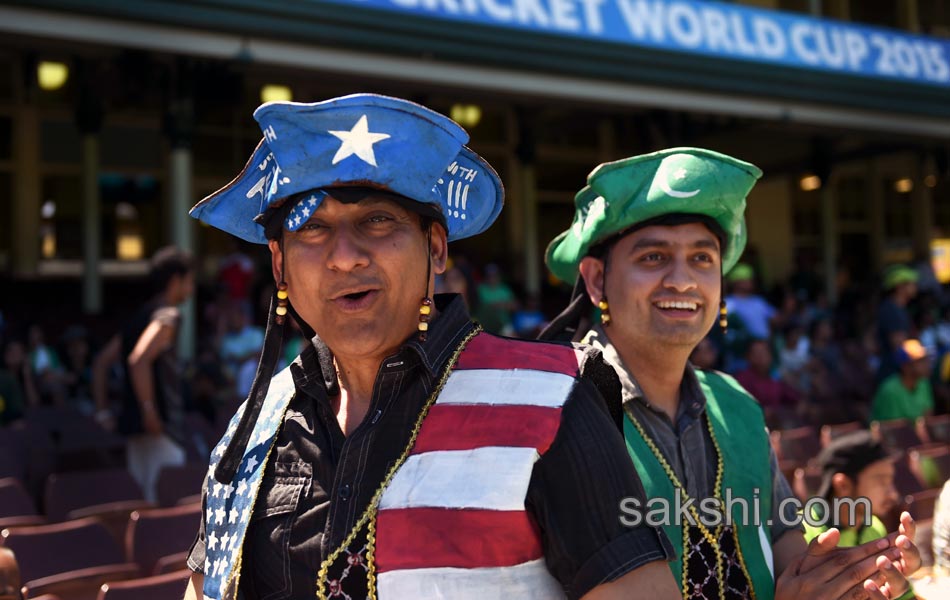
[362,140]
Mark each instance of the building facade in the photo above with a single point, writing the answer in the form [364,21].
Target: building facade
[116,117]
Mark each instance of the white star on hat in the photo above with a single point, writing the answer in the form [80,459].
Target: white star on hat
[358,141]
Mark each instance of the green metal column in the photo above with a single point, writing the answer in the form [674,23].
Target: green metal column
[26,190]
[89,123]
[180,132]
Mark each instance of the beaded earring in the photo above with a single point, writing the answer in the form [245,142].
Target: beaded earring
[281,310]
[604,311]
[425,313]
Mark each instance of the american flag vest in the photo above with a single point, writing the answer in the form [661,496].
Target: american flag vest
[452,522]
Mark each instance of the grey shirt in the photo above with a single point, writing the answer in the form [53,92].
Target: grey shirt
[686,444]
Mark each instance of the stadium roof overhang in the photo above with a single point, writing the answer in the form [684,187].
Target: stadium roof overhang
[831,73]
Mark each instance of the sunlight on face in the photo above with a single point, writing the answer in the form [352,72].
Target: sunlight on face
[663,284]
[356,273]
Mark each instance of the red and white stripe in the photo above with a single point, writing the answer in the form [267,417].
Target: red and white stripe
[452,523]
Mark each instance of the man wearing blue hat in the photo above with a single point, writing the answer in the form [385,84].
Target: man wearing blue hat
[405,453]
[651,239]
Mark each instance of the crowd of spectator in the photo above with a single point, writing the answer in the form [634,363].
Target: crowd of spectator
[806,361]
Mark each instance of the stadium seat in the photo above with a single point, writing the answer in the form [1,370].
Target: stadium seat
[85,445]
[921,504]
[71,560]
[930,464]
[934,428]
[69,493]
[829,433]
[905,480]
[110,494]
[799,445]
[170,586]
[160,532]
[806,482]
[180,482]
[16,506]
[896,435]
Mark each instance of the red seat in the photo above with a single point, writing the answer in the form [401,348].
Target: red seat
[921,505]
[930,464]
[85,445]
[806,482]
[905,480]
[799,445]
[170,586]
[829,433]
[16,506]
[68,494]
[160,532]
[176,483]
[935,428]
[11,465]
[71,560]
[896,435]
[172,563]
[110,494]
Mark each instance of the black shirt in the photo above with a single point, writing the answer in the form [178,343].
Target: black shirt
[167,379]
[321,481]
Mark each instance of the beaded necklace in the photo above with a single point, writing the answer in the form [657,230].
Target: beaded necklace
[712,538]
[369,515]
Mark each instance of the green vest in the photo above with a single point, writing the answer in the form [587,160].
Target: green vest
[739,429]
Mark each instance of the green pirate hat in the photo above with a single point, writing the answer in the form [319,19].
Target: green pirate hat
[623,193]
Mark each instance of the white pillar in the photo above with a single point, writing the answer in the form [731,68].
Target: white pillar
[91,226]
[180,202]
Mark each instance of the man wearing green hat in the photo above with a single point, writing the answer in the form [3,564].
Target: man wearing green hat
[893,320]
[651,239]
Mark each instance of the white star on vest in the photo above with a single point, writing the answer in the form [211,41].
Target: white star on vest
[251,463]
[358,141]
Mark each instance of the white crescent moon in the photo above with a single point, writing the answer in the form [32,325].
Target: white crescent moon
[665,186]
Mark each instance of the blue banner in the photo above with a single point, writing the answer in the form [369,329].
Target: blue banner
[707,28]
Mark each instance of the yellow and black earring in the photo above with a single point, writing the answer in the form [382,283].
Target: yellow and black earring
[281,310]
[723,316]
[425,313]
[604,311]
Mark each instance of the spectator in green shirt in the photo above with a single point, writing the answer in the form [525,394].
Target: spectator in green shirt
[906,394]
[496,302]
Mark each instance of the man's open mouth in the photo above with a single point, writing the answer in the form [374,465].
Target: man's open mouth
[357,295]
[356,300]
